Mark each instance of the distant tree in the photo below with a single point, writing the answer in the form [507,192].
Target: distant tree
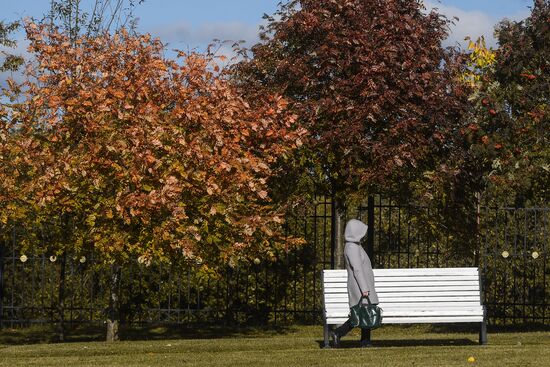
[8,61]
[151,159]
[506,135]
[91,17]
[74,18]
[369,80]
[10,174]
[500,149]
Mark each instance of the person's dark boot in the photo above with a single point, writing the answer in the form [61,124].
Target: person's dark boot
[335,339]
[366,344]
[365,338]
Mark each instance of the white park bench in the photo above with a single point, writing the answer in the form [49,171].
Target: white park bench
[410,296]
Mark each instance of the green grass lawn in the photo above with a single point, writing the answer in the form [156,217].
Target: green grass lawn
[419,345]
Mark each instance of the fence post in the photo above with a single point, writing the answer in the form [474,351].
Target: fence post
[2,244]
[370,231]
[333,214]
[478,230]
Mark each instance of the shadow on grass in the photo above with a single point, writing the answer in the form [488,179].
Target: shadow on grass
[457,328]
[423,342]
[384,343]
[89,333]
[152,332]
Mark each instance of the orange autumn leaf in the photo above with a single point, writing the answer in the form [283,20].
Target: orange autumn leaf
[155,161]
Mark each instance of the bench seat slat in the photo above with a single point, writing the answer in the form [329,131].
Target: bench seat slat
[403,308]
[414,305]
[432,320]
[417,313]
[415,320]
[420,307]
[409,313]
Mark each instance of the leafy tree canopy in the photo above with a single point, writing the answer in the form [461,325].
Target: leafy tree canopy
[507,132]
[8,61]
[369,80]
[150,158]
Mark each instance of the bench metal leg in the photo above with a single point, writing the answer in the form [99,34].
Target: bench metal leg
[483,333]
[365,338]
[483,329]
[326,336]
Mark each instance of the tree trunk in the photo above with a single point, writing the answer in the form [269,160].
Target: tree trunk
[113,315]
[2,284]
[61,295]
[337,234]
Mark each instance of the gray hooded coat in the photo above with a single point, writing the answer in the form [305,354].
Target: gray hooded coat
[358,265]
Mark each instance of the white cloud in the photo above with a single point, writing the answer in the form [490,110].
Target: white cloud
[185,37]
[199,36]
[470,23]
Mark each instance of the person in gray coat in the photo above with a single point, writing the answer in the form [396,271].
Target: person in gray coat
[360,276]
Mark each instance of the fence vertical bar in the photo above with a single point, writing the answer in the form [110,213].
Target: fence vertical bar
[12,312]
[370,231]
[524,267]
[399,236]
[544,259]
[304,271]
[2,245]
[61,298]
[408,235]
[316,255]
[333,234]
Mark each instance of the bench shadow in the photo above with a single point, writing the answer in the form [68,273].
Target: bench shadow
[457,328]
[384,343]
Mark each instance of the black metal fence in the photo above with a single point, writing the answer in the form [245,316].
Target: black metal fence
[416,236]
[285,291]
[515,264]
[513,257]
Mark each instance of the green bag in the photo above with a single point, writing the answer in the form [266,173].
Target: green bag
[367,316]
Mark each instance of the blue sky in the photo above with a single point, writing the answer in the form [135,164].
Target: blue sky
[193,23]
[498,8]
[188,24]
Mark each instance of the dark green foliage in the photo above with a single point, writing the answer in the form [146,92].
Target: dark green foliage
[505,149]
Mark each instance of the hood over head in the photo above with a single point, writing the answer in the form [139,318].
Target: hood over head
[355,230]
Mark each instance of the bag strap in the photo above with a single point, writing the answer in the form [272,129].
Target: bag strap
[361,300]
